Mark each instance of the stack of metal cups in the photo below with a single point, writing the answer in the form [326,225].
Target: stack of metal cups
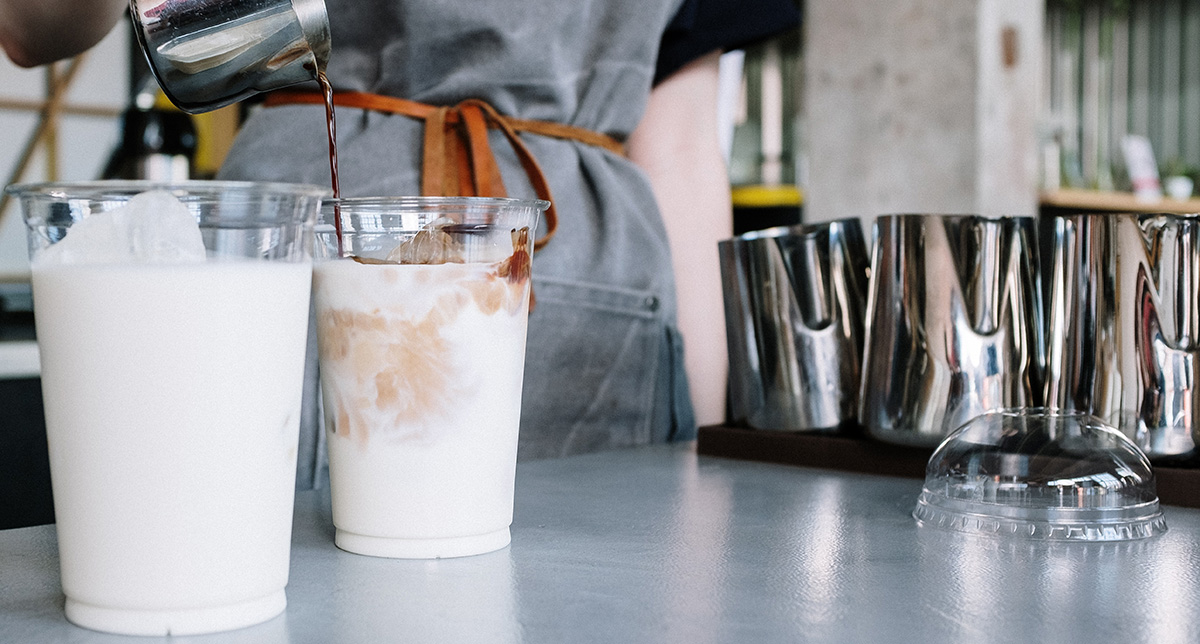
[957,315]
[1124,314]
[794,300]
[954,324]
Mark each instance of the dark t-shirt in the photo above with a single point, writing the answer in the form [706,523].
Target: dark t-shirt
[702,26]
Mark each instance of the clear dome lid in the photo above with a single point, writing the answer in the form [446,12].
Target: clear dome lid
[1041,474]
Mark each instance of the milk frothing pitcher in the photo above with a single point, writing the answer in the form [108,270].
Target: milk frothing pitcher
[1124,323]
[207,54]
[794,302]
[954,324]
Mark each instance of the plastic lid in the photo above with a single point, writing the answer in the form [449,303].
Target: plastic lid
[1041,474]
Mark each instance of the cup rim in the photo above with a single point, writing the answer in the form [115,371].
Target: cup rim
[802,229]
[407,202]
[87,189]
[953,215]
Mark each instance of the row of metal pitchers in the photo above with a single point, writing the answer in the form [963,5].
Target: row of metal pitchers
[955,315]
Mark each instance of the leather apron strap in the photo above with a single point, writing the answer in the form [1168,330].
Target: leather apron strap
[457,159]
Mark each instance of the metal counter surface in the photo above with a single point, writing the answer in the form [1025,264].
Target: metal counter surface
[661,545]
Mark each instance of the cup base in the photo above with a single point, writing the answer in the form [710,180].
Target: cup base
[194,621]
[421,548]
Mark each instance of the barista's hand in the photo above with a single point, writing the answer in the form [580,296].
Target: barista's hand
[35,32]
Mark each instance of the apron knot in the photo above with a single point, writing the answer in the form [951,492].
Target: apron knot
[457,158]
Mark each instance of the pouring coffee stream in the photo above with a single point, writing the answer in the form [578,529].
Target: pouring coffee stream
[212,53]
[331,128]
[207,54]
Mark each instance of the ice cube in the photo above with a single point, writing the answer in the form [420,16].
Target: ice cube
[152,228]
[431,245]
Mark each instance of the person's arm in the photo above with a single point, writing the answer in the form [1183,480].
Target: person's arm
[677,145]
[36,32]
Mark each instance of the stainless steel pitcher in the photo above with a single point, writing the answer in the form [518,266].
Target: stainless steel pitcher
[208,54]
[1124,333]
[954,324]
[794,302]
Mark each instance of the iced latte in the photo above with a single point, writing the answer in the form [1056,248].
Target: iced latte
[421,324]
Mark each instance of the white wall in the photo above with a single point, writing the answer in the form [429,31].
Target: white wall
[911,106]
[84,141]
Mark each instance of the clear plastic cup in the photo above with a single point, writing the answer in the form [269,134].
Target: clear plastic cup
[422,311]
[1041,474]
[172,396]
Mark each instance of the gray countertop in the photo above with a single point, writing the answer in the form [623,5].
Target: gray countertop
[660,545]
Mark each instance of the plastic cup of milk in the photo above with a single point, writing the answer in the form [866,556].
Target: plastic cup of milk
[172,325]
[421,318]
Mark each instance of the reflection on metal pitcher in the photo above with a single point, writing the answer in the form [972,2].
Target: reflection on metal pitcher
[794,314]
[207,54]
[954,324]
[1124,321]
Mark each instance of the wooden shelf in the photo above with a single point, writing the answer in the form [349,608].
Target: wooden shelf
[1101,201]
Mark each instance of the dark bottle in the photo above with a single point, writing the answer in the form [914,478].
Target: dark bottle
[158,143]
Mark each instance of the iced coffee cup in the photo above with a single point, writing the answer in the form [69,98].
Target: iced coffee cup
[421,317]
[171,322]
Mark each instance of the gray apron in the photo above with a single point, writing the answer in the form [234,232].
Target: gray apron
[604,365]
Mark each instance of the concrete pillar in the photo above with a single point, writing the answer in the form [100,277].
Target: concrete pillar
[921,106]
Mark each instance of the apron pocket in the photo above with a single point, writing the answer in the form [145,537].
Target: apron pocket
[595,374]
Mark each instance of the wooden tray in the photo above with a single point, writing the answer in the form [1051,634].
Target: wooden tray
[1178,482]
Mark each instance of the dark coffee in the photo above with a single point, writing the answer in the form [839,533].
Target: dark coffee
[331,127]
